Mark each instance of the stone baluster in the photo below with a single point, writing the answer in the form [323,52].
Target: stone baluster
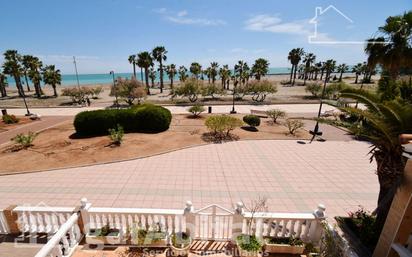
[190,219]
[315,231]
[238,218]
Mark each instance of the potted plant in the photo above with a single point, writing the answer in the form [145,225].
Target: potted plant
[153,237]
[248,245]
[180,244]
[104,235]
[289,245]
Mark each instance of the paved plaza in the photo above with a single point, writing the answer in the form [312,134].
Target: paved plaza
[295,177]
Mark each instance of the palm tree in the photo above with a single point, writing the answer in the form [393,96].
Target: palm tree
[225,74]
[242,71]
[342,68]
[208,73]
[195,69]
[381,123]
[159,54]
[392,50]
[26,62]
[145,61]
[357,69]
[52,77]
[330,66]
[12,67]
[213,71]
[318,67]
[308,60]
[152,75]
[295,55]
[182,73]
[171,72]
[132,60]
[260,68]
[3,84]
[35,76]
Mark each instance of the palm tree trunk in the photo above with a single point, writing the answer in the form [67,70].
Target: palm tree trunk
[340,76]
[161,76]
[171,82]
[3,90]
[18,85]
[27,82]
[356,79]
[146,74]
[294,75]
[134,70]
[223,83]
[291,74]
[54,90]
[141,74]
[37,90]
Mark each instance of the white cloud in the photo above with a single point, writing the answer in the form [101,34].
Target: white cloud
[182,13]
[274,24]
[182,17]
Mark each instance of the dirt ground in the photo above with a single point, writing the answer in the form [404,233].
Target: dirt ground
[22,120]
[58,147]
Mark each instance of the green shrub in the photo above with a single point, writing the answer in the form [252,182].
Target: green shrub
[315,89]
[10,119]
[141,118]
[25,140]
[363,223]
[275,114]
[196,110]
[116,135]
[332,91]
[191,88]
[260,89]
[222,124]
[252,120]
[212,90]
[249,243]
[294,125]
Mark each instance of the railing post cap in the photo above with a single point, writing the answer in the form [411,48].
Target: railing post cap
[189,206]
[239,207]
[320,211]
[83,202]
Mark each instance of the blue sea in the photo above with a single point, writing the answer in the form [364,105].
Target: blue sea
[93,79]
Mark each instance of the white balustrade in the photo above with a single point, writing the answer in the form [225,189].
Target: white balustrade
[4,228]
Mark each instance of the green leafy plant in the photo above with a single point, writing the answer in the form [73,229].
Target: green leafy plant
[116,135]
[212,90]
[275,114]
[259,89]
[314,88]
[294,125]
[249,243]
[150,236]
[10,119]
[285,240]
[180,239]
[140,118]
[332,91]
[363,224]
[191,88]
[252,120]
[196,110]
[129,90]
[25,140]
[222,125]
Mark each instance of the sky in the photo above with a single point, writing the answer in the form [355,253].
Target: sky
[103,33]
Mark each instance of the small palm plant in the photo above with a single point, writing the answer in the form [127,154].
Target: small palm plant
[24,141]
[116,135]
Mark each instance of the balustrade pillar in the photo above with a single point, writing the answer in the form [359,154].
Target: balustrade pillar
[190,219]
[316,228]
[237,226]
[84,219]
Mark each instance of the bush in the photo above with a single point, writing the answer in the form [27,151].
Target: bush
[252,120]
[196,110]
[10,119]
[249,243]
[222,124]
[96,91]
[275,114]
[294,125]
[116,135]
[25,140]
[141,118]
[363,224]
[191,88]
[212,90]
[315,89]
[260,89]
[129,90]
[332,91]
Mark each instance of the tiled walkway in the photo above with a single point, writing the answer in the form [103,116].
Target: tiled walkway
[295,177]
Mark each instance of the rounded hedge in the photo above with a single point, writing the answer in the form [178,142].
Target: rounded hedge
[141,118]
[252,120]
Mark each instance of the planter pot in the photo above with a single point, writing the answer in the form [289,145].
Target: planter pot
[162,243]
[112,238]
[176,251]
[244,253]
[282,248]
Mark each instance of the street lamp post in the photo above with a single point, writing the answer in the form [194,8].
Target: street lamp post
[233,111]
[316,131]
[114,88]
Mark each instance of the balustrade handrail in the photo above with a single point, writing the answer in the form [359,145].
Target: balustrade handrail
[136,211]
[280,215]
[55,240]
[43,209]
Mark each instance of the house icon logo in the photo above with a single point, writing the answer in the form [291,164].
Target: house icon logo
[318,36]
